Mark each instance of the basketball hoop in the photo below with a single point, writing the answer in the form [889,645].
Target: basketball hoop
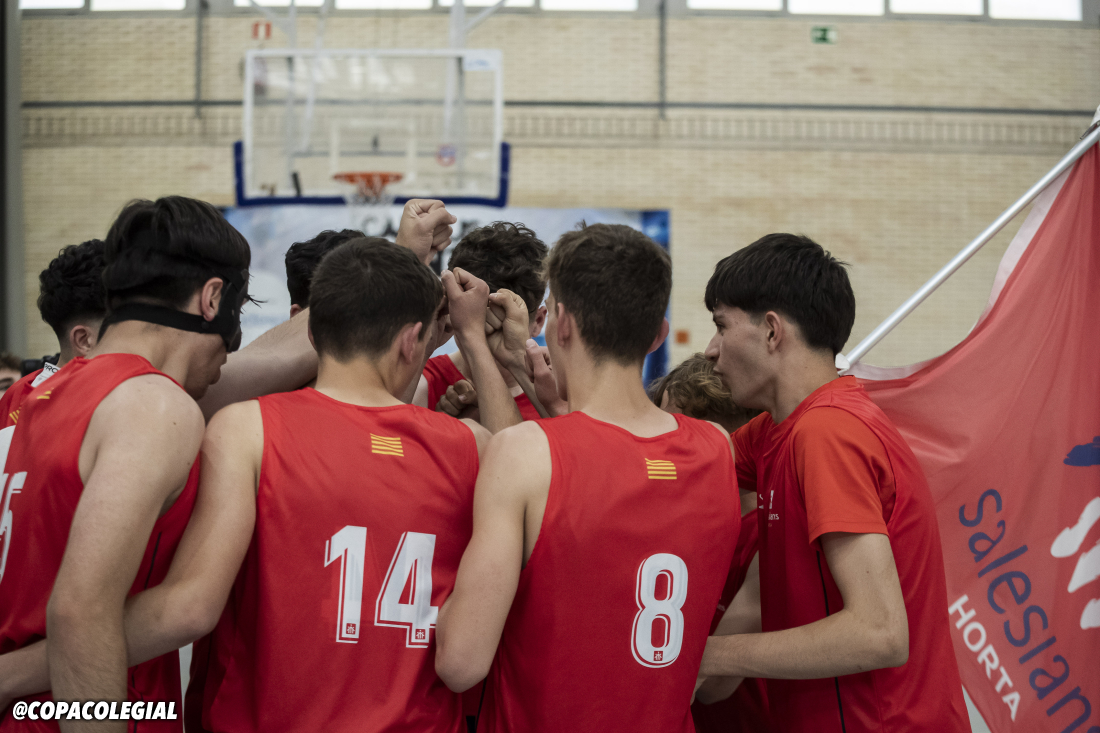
[369,187]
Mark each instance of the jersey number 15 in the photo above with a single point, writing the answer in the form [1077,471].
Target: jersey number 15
[412,563]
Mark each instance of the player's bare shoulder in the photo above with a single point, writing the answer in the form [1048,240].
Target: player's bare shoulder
[150,403]
[521,452]
[725,436]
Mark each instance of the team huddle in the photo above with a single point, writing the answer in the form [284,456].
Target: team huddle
[511,537]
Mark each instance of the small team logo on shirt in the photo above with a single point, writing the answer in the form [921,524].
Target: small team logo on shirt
[658,656]
[660,469]
[386,446]
[421,635]
[350,630]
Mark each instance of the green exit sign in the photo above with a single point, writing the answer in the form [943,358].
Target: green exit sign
[823,34]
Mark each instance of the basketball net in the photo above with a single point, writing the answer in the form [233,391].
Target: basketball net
[368,199]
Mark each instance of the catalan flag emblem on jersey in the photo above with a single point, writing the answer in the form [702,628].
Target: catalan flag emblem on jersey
[386,446]
[14,416]
[660,469]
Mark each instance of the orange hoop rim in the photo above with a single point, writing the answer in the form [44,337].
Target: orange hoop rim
[369,182]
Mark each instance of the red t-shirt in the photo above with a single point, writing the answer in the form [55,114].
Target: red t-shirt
[14,395]
[362,515]
[746,710]
[40,498]
[441,373]
[613,608]
[837,464]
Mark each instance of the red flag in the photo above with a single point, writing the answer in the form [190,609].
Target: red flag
[1007,427]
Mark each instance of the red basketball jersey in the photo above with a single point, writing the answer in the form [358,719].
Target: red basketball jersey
[796,587]
[13,396]
[746,710]
[441,373]
[41,489]
[613,607]
[362,515]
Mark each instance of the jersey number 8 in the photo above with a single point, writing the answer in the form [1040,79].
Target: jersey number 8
[412,562]
[659,624]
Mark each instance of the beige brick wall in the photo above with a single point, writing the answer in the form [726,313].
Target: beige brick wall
[895,206]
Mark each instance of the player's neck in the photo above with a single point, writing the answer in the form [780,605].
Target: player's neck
[613,393]
[796,381]
[168,350]
[359,381]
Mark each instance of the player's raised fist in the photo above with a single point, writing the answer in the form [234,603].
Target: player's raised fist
[467,301]
[541,372]
[460,397]
[425,228]
[510,321]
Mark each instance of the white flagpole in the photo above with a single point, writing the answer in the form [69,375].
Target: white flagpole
[1089,139]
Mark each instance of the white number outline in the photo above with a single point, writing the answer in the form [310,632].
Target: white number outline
[349,545]
[413,550]
[650,609]
[7,489]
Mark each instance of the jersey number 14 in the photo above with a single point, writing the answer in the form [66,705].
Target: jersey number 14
[411,564]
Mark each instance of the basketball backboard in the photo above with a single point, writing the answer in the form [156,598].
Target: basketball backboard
[432,117]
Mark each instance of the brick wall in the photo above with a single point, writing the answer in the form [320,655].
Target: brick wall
[893,193]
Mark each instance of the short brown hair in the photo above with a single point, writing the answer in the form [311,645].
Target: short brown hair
[699,393]
[505,255]
[616,282]
[364,292]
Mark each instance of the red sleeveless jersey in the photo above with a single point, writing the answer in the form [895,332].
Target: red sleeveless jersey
[746,710]
[362,515]
[441,373]
[925,693]
[614,605]
[13,396]
[41,489]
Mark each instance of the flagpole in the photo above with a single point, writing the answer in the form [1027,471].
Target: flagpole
[1086,142]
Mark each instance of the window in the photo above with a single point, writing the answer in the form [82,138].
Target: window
[1036,9]
[279,3]
[50,4]
[940,7]
[478,3]
[837,7]
[590,4]
[735,4]
[383,4]
[139,4]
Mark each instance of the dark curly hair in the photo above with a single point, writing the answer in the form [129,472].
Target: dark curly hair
[303,257]
[505,255]
[71,287]
[698,392]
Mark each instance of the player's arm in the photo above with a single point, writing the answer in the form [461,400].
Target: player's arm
[467,301]
[189,602]
[742,617]
[516,468]
[870,632]
[508,318]
[279,360]
[137,452]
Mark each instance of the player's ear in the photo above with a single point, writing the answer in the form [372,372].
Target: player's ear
[538,321]
[565,323]
[210,297]
[775,330]
[82,338]
[295,310]
[661,336]
[410,344]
